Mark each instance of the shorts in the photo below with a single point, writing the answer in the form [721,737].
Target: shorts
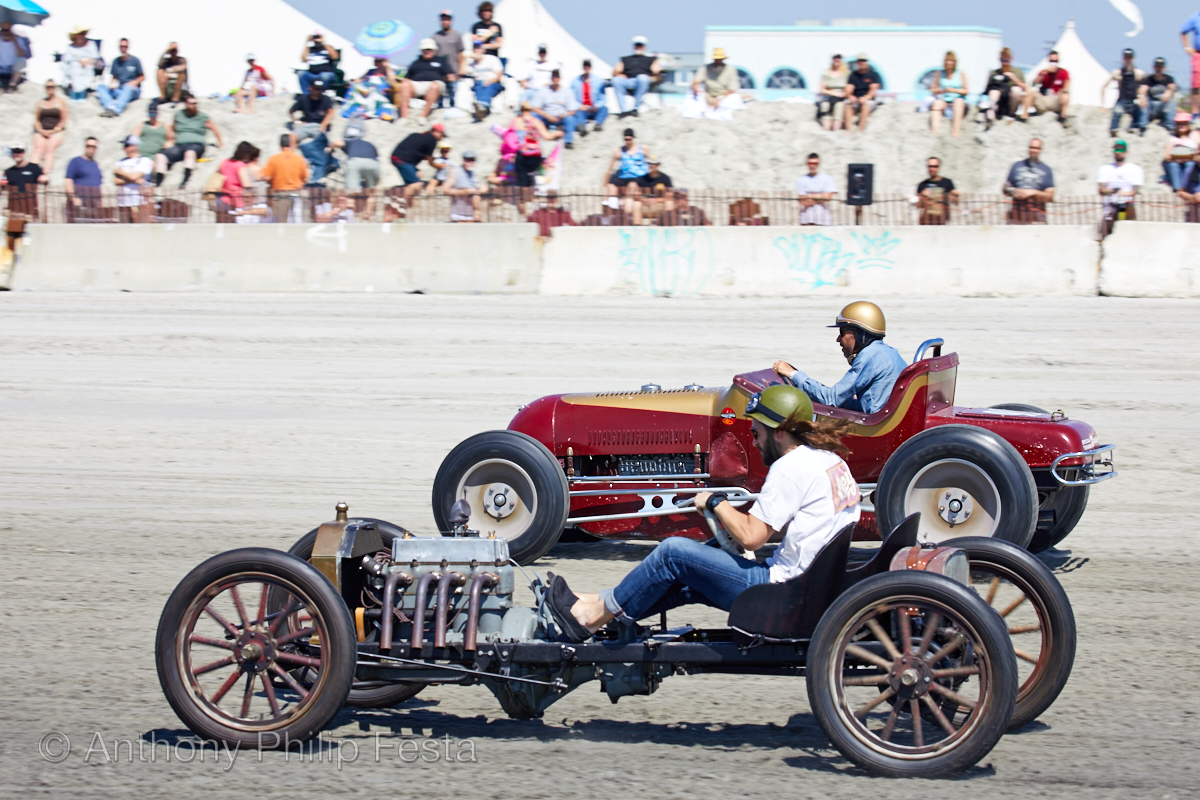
[176,152]
[1048,102]
[827,104]
[361,173]
[408,172]
[1196,70]
[421,87]
[621,183]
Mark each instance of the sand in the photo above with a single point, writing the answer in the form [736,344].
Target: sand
[143,433]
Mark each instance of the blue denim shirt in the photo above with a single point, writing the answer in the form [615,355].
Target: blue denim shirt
[868,384]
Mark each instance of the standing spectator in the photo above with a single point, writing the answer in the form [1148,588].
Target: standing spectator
[935,195]
[488,32]
[537,73]
[1030,184]
[1192,48]
[321,57]
[152,133]
[718,79]
[635,73]
[362,161]
[1159,89]
[465,203]
[1006,89]
[589,94]
[486,71]
[13,52]
[124,84]
[83,178]
[831,93]
[950,90]
[287,172]
[79,63]
[172,75]
[315,109]
[426,78]
[630,162]
[451,49]
[1051,90]
[1130,98]
[1119,183]
[683,213]
[1180,156]
[864,84]
[186,140]
[528,160]
[22,180]
[49,121]
[814,192]
[132,176]
[257,82]
[555,106]
[550,215]
[411,152]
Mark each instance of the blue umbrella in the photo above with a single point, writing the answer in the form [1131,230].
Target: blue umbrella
[378,40]
[22,12]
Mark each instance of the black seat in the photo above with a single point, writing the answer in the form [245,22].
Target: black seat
[792,609]
[903,535]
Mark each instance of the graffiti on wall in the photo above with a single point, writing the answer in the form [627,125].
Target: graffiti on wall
[666,262]
[816,260]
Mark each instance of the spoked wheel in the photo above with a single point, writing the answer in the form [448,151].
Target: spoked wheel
[225,660]
[1038,616]
[910,674]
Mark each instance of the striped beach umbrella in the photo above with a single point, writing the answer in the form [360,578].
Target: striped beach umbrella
[379,39]
[22,12]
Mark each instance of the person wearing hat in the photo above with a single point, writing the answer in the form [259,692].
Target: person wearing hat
[655,181]
[634,74]
[426,78]
[22,180]
[411,152]
[556,107]
[451,48]
[79,62]
[1051,90]
[1158,88]
[629,164]
[172,74]
[861,87]
[1119,183]
[315,109]
[874,365]
[124,84]
[1179,158]
[1130,98]
[486,72]
[14,52]
[589,95]
[718,79]
[362,162]
[132,176]
[256,83]
[536,74]
[808,497]
[321,58]
[151,132]
[463,188]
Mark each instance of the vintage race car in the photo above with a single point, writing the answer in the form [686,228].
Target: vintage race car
[618,464]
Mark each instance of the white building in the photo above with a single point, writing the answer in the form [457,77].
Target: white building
[786,60]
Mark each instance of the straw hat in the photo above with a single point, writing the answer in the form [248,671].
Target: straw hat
[78,29]
[718,54]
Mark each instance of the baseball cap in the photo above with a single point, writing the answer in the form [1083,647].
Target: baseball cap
[628,132]
[639,40]
[653,160]
[447,13]
[439,127]
[444,144]
[318,84]
[1128,51]
[469,155]
[249,56]
[428,44]
[542,48]
[131,139]
[17,147]
[1160,62]
[1119,144]
[861,57]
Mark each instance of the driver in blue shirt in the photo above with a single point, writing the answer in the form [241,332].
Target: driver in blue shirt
[874,366]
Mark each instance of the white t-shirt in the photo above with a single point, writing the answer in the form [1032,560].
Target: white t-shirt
[810,495]
[816,184]
[485,69]
[1120,177]
[130,194]
[537,73]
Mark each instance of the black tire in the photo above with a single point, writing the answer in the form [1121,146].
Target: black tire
[283,578]
[506,458]
[971,462]
[377,696]
[832,672]
[1040,684]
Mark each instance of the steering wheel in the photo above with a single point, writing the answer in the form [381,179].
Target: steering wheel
[727,542]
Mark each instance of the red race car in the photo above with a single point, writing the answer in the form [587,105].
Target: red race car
[620,464]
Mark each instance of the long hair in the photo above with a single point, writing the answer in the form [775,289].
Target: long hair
[824,434]
[245,152]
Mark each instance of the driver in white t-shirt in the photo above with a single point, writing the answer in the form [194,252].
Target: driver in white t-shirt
[809,496]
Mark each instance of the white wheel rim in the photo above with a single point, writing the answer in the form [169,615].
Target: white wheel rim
[479,486]
[964,482]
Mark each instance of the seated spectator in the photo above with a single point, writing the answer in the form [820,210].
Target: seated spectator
[1188,193]
[654,181]
[1006,89]
[464,191]
[320,58]
[340,210]
[634,74]
[315,109]
[935,195]
[682,212]
[79,63]
[714,93]
[589,95]
[814,191]
[239,172]
[451,48]
[382,74]
[186,140]
[1158,90]
[1130,95]
[537,74]
[611,214]
[426,78]
[864,84]
[630,162]
[746,211]
[14,50]
[172,75]
[257,82]
[487,32]
[413,150]
[950,94]
[132,177]
[831,93]
[21,181]
[1179,160]
[152,132]
[362,165]
[124,84]
[1030,184]
[1119,183]
[551,214]
[49,121]
[657,197]
[286,172]
[367,98]
[486,71]
[1051,91]
[83,179]
[555,106]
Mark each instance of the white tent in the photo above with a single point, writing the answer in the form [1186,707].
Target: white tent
[1087,75]
[214,36]
[527,24]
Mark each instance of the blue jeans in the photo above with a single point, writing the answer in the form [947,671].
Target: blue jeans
[1178,173]
[597,115]
[680,572]
[116,101]
[640,85]
[1162,112]
[486,94]
[1136,113]
[306,79]
[567,124]
[320,163]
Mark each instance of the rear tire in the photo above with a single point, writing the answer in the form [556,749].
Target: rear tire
[514,468]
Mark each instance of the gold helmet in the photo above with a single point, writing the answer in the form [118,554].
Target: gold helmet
[862,314]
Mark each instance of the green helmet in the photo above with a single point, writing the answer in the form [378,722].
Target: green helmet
[775,404]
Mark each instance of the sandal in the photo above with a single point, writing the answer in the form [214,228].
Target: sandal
[559,600]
